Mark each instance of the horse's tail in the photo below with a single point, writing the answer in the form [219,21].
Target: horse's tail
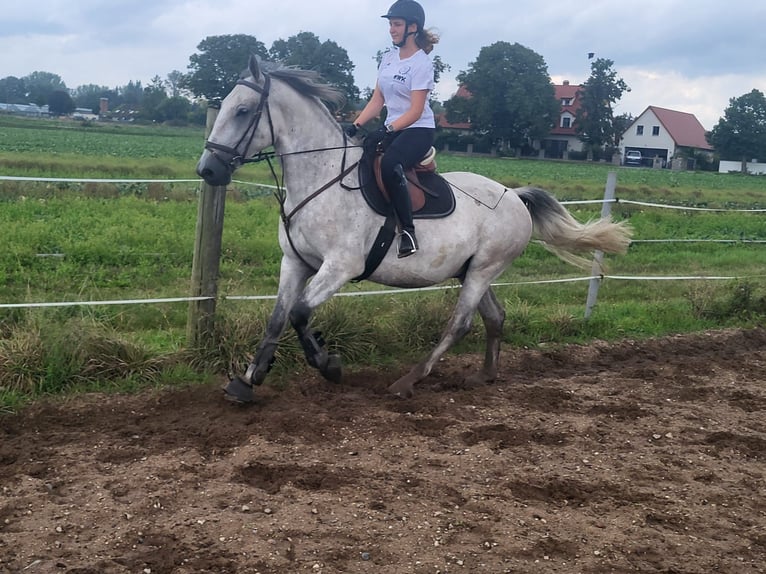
[566,237]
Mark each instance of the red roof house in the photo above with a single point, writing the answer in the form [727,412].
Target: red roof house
[563,137]
[660,132]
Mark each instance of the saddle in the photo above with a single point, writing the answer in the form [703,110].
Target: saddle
[431,195]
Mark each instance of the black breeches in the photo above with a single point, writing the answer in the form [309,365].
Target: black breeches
[405,148]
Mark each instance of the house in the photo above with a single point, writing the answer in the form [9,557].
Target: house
[563,137]
[662,135]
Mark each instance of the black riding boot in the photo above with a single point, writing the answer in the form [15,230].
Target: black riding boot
[400,199]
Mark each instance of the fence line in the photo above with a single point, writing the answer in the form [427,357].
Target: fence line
[662,205]
[99,180]
[382,291]
[239,182]
[590,278]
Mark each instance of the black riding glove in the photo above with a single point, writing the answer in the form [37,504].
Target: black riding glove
[351,130]
[372,139]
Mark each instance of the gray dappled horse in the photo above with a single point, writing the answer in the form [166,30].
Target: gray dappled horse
[327,228]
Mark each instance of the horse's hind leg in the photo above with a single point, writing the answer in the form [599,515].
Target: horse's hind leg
[493,315]
[459,324]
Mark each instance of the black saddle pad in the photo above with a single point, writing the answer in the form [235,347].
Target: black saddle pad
[440,199]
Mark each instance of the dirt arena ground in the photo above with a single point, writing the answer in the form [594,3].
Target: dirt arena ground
[627,457]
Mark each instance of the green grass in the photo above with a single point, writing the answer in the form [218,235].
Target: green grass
[97,241]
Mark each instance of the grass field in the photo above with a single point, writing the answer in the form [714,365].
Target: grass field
[67,241]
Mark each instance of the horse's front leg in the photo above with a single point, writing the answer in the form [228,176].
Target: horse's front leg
[328,280]
[292,279]
[313,345]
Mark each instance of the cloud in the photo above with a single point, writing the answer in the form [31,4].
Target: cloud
[691,57]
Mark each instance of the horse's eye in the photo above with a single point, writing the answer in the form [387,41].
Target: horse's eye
[242,111]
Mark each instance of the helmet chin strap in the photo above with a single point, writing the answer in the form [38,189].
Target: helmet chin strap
[404,39]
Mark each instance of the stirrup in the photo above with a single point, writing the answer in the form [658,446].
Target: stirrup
[408,245]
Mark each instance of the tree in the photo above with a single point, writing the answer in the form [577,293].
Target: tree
[175,109]
[40,85]
[439,68]
[216,69]
[512,97]
[594,121]
[154,96]
[741,133]
[131,94]
[89,96]
[305,50]
[60,103]
[621,123]
[174,83]
[13,91]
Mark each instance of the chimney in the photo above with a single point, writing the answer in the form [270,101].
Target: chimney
[103,105]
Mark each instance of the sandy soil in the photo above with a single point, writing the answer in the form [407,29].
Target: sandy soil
[628,457]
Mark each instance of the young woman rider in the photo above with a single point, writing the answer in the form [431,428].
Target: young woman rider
[405,80]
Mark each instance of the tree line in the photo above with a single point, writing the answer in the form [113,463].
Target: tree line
[511,103]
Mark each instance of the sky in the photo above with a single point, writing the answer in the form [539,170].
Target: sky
[686,56]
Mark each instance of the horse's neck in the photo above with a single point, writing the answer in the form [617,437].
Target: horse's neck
[311,146]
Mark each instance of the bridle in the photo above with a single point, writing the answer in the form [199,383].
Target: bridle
[238,157]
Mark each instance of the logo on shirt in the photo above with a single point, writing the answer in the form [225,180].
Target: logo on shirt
[401,76]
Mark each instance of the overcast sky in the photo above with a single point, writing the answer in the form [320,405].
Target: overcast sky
[686,56]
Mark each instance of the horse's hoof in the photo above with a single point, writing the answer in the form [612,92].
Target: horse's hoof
[333,369]
[238,391]
[402,388]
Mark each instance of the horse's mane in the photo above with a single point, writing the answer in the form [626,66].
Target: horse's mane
[307,82]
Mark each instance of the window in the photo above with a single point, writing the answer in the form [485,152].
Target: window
[566,122]
[566,101]
[655,130]
[639,130]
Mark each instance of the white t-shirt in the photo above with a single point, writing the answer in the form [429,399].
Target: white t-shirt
[397,78]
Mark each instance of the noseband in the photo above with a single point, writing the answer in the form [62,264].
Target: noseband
[237,153]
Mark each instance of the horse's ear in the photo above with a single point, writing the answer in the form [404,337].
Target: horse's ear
[254,66]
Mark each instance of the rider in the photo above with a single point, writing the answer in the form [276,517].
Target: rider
[405,80]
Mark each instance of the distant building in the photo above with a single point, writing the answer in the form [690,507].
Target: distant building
[32,110]
[84,114]
[563,137]
[662,135]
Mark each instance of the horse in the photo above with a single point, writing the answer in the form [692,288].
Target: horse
[327,229]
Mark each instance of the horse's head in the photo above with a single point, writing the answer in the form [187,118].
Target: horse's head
[242,129]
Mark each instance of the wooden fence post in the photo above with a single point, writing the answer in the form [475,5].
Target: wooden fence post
[207,256]
[598,258]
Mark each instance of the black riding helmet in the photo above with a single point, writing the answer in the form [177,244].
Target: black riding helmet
[409,11]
